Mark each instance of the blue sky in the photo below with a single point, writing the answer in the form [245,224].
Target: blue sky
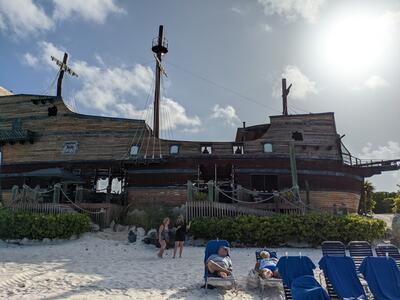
[224,64]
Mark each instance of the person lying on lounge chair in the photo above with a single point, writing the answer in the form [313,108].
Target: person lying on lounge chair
[220,264]
[266,266]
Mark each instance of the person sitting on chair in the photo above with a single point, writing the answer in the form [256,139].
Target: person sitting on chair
[220,264]
[266,266]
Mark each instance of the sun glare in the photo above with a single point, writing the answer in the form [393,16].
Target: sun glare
[353,45]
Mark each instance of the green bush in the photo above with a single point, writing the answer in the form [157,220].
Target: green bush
[37,226]
[281,229]
[149,217]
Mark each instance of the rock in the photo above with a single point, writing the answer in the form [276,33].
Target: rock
[112,225]
[120,228]
[94,227]
[140,231]
[198,242]
[73,237]
[298,245]
[396,230]
[25,241]
[152,232]
[46,241]
[132,237]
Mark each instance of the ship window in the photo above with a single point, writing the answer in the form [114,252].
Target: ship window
[297,136]
[134,150]
[174,149]
[267,148]
[206,149]
[238,149]
[70,147]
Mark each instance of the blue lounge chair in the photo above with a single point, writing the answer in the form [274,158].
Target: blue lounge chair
[358,251]
[211,279]
[341,273]
[308,288]
[293,267]
[332,248]
[383,277]
[390,250]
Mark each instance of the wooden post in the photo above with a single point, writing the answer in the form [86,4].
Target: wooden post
[57,193]
[109,186]
[210,185]
[293,169]
[276,201]
[14,193]
[308,202]
[189,191]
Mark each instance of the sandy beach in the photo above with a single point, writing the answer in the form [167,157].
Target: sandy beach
[105,266]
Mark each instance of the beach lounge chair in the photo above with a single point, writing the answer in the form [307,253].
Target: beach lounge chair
[308,288]
[390,250]
[383,277]
[332,248]
[341,273]
[294,267]
[358,251]
[267,281]
[211,279]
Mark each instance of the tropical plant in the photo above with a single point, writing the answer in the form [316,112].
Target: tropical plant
[278,230]
[367,202]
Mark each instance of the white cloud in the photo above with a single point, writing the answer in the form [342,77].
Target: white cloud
[302,86]
[30,60]
[293,9]
[237,10]
[89,10]
[266,27]
[109,90]
[227,114]
[23,17]
[389,151]
[375,82]
[385,152]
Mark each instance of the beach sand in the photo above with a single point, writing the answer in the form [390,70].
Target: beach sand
[104,266]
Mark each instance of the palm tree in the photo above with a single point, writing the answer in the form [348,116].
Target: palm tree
[366,201]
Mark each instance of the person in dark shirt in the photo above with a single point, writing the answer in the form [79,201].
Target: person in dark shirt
[180,234]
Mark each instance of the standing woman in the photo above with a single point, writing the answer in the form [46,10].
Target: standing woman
[163,236]
[179,235]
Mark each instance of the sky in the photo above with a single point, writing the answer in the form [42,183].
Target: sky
[224,65]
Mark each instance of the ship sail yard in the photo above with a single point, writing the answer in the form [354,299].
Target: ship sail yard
[293,163]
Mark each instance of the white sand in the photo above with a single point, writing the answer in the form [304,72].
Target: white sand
[105,266]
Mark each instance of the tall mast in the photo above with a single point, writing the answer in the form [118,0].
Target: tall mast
[159,47]
[63,68]
[285,93]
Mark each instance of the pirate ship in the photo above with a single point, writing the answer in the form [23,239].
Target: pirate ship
[43,142]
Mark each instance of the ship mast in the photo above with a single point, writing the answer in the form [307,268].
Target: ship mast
[285,93]
[159,47]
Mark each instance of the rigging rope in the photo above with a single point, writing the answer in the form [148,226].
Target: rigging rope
[80,208]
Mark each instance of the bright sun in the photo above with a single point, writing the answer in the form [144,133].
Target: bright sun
[356,44]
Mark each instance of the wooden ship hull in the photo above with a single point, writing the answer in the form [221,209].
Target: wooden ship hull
[43,142]
[33,142]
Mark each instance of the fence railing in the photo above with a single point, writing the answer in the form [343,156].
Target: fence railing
[195,209]
[47,208]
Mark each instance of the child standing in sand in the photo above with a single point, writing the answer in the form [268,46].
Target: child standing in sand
[163,236]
